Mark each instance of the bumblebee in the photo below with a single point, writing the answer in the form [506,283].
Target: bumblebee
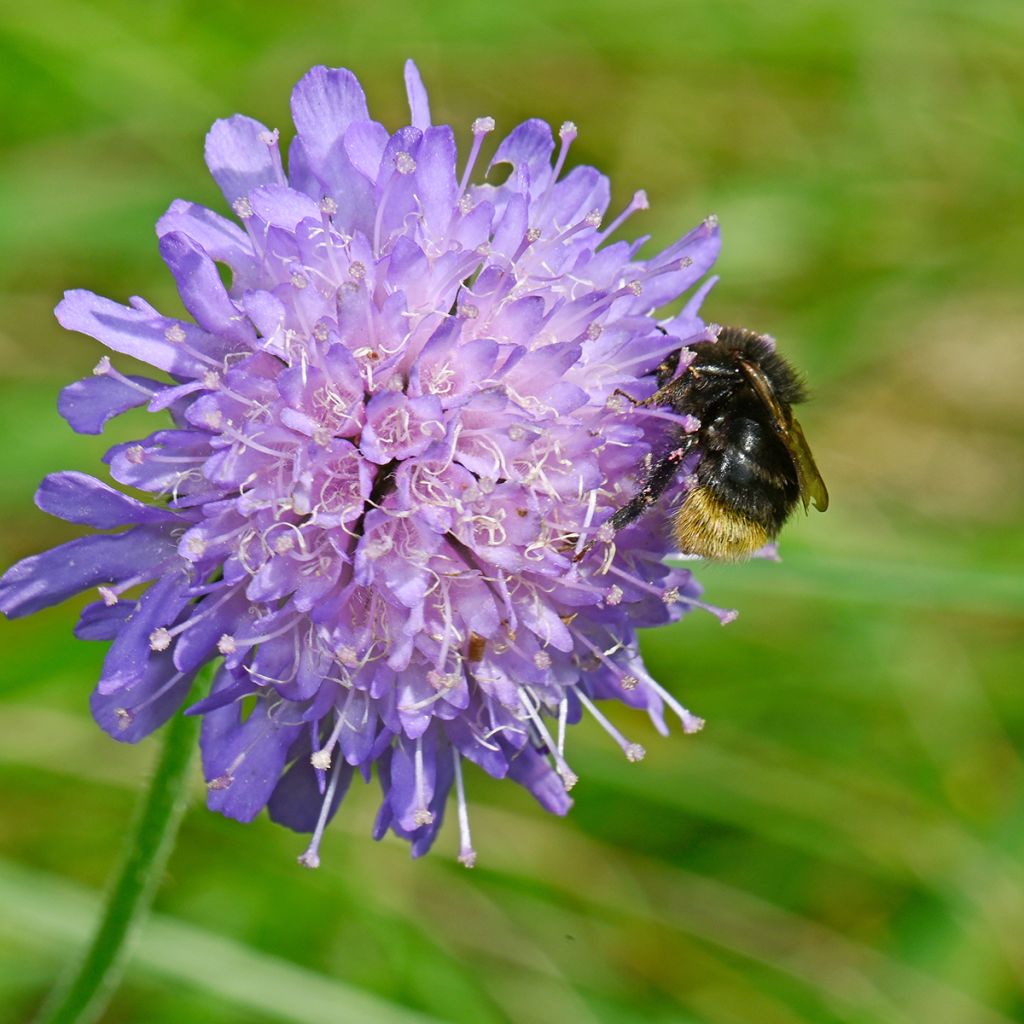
[754,460]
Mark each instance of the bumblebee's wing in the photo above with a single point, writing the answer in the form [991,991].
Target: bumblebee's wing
[812,487]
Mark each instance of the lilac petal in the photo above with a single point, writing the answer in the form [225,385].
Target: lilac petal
[222,698]
[398,427]
[435,178]
[419,104]
[222,240]
[532,771]
[133,713]
[527,148]
[123,329]
[55,575]
[242,761]
[350,189]
[582,191]
[202,291]
[488,756]
[412,790]
[297,801]
[172,450]
[213,618]
[365,142]
[102,621]
[79,498]
[126,661]
[283,207]
[700,248]
[301,175]
[89,403]
[510,230]
[687,324]
[324,103]
[359,728]
[239,157]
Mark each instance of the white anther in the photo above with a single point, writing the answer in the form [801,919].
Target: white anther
[284,543]
[423,817]
[243,207]
[108,596]
[299,281]
[269,138]
[630,682]
[635,752]
[124,718]
[328,206]
[671,596]
[136,454]
[532,234]
[159,639]
[635,287]
[102,368]
[542,660]
[467,311]
[321,759]
[347,656]
[321,331]
[593,219]
[214,419]
[567,132]
[175,334]
[211,380]
[404,163]
[613,595]
[483,125]
[226,644]
[356,270]
[195,547]
[466,204]
[594,331]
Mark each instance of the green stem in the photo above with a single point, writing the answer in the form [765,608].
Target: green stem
[82,995]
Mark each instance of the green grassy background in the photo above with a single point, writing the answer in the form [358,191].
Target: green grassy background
[843,843]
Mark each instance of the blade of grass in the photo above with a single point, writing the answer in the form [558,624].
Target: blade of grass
[51,911]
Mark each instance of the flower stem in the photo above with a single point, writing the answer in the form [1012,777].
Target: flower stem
[81,996]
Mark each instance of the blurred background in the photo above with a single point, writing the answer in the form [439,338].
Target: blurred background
[843,843]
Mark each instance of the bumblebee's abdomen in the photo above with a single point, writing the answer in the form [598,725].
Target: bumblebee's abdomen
[705,526]
[747,488]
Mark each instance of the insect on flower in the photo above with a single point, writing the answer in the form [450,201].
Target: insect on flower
[389,436]
[754,460]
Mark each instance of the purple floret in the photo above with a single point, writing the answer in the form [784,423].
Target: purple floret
[395,441]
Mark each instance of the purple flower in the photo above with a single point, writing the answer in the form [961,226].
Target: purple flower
[391,436]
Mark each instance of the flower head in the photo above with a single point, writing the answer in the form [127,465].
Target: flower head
[392,435]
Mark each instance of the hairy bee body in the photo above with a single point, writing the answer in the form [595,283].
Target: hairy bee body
[754,461]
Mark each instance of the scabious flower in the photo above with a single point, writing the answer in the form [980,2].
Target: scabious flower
[393,436]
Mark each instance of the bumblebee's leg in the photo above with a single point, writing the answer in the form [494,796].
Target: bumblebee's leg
[662,472]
